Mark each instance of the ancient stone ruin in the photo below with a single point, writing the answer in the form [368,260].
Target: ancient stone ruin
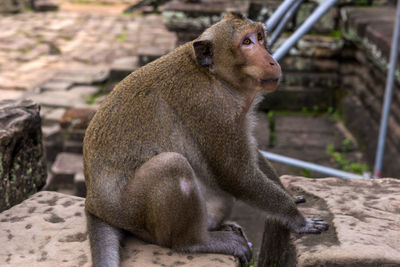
[67,62]
[22,162]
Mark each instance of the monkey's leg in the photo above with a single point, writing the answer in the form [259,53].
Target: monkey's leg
[104,242]
[269,171]
[176,214]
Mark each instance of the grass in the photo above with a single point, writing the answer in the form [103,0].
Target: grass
[339,157]
[122,36]
[92,99]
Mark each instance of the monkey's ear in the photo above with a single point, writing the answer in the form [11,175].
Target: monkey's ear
[203,50]
[234,15]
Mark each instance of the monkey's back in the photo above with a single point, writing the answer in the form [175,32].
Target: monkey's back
[141,116]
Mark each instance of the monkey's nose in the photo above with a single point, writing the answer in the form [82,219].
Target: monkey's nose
[272,63]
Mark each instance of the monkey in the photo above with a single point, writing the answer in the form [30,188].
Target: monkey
[171,149]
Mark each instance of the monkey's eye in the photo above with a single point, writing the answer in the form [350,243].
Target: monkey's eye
[246,41]
[259,36]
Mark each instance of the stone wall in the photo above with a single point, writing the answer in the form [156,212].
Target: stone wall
[363,71]
[15,6]
[22,163]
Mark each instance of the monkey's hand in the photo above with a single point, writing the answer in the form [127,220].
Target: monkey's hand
[313,226]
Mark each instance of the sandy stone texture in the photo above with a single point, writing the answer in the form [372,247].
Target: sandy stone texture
[364,217]
[49,229]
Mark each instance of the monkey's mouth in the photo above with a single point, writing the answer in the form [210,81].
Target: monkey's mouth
[269,81]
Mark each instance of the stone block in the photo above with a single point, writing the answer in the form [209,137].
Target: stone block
[359,212]
[49,229]
[76,118]
[122,67]
[326,24]
[14,6]
[79,185]
[10,94]
[87,75]
[22,163]
[64,169]
[58,99]
[45,5]
[149,54]
[52,116]
[56,85]
[71,146]
[299,98]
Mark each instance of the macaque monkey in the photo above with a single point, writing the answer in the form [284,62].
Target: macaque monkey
[171,149]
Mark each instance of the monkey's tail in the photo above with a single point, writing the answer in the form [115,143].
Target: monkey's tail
[104,242]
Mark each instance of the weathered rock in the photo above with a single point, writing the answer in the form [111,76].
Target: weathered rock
[14,6]
[122,67]
[49,229]
[45,5]
[10,94]
[76,118]
[64,169]
[79,185]
[52,116]
[56,85]
[22,163]
[364,217]
[88,75]
[189,19]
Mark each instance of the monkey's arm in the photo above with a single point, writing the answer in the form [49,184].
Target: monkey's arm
[266,167]
[255,188]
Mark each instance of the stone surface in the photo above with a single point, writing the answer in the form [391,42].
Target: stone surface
[52,116]
[79,185]
[45,5]
[22,163]
[14,6]
[76,118]
[365,221]
[122,67]
[10,94]
[49,229]
[64,169]
[363,75]
[189,19]
[56,85]
[75,47]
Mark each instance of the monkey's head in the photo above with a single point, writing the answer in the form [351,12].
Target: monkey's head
[235,50]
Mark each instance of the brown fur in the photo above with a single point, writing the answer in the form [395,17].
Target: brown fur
[171,148]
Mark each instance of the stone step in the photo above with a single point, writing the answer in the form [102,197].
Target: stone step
[49,229]
[64,169]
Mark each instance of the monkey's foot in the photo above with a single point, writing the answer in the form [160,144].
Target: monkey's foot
[299,199]
[313,226]
[233,227]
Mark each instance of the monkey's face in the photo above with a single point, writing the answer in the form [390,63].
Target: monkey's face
[262,71]
[235,51]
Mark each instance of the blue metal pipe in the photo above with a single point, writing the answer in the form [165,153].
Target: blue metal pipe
[303,29]
[281,26]
[388,96]
[276,16]
[309,166]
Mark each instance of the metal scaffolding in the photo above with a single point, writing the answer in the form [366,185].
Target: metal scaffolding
[282,15]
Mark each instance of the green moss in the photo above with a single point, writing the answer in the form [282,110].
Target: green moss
[122,36]
[346,165]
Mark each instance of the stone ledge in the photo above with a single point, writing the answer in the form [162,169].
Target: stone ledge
[49,229]
[365,221]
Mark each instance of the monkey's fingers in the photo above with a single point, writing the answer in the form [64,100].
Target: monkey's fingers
[313,226]
[299,199]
